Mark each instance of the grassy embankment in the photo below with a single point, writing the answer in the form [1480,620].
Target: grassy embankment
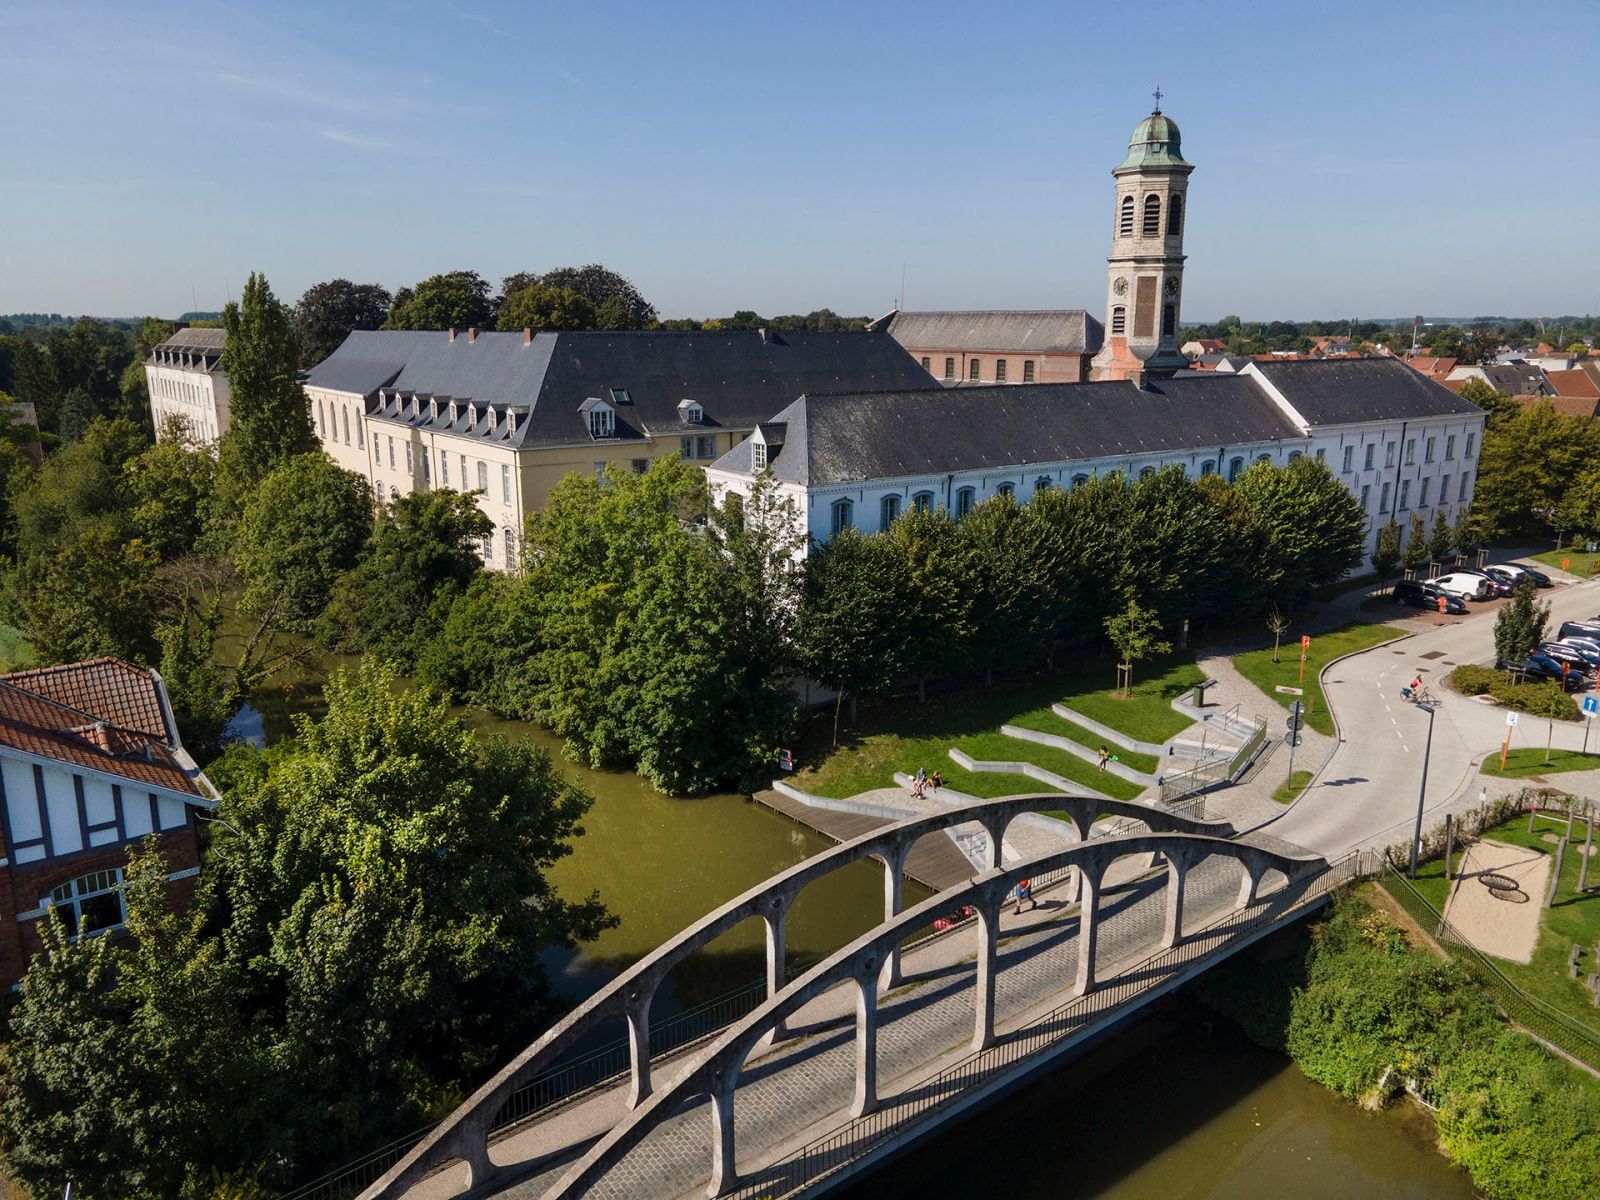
[1257,666]
[1529,760]
[901,735]
[1579,562]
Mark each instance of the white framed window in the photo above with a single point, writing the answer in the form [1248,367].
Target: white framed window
[843,516]
[889,510]
[483,477]
[344,413]
[1383,499]
[1388,454]
[505,483]
[1405,494]
[1411,453]
[686,447]
[1471,437]
[922,502]
[964,501]
[91,903]
[602,422]
[1444,489]
[444,468]
[1349,459]
[1371,448]
[1466,480]
[488,549]
[391,451]
[463,470]
[1422,494]
[1427,450]
[758,455]
[427,468]
[411,465]
[1366,496]
[1449,446]
[511,548]
[705,446]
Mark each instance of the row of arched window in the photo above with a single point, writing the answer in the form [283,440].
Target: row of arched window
[1150,226]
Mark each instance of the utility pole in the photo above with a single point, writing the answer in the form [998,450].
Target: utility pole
[1422,789]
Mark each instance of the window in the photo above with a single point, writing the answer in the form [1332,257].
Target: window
[1263,458]
[483,477]
[463,470]
[890,509]
[1422,494]
[444,468]
[1427,450]
[377,452]
[619,396]
[1147,473]
[1152,216]
[1444,489]
[686,447]
[1006,489]
[922,502]
[1367,465]
[1079,480]
[1366,496]
[602,422]
[1405,494]
[1209,467]
[925,365]
[1466,478]
[488,549]
[91,903]
[600,471]
[1169,319]
[1388,454]
[1235,466]
[1294,454]
[1383,499]
[843,515]
[1041,484]
[1349,459]
[391,450]
[949,368]
[511,549]
[1125,225]
[1470,438]
[1449,446]
[394,494]
[1175,216]
[972,369]
[964,499]
[1411,451]
[411,460]
[1027,370]
[999,370]
[427,468]
[345,413]
[1119,320]
[322,424]
[505,483]
[705,446]
[640,465]
[758,456]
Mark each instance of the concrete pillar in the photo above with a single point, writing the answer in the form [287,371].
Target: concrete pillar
[1177,868]
[1252,880]
[638,1015]
[724,1170]
[988,951]
[894,865]
[480,1168]
[1088,933]
[777,923]
[866,1098]
[993,854]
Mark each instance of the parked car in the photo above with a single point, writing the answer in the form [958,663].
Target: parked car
[1541,666]
[1582,629]
[1459,583]
[1561,652]
[1424,595]
[1514,574]
[1591,644]
[1496,586]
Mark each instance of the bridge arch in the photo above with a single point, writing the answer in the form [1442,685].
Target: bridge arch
[464,1135]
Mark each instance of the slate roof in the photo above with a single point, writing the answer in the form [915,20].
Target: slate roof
[1517,379]
[196,339]
[196,349]
[997,331]
[104,715]
[844,438]
[1346,391]
[737,377]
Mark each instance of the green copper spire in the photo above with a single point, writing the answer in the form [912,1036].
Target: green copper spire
[1156,142]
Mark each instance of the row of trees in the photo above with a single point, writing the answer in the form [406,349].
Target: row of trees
[1477,341]
[73,373]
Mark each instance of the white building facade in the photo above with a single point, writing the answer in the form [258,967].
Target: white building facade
[185,379]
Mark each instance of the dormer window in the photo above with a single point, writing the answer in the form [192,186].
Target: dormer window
[453,412]
[619,396]
[472,415]
[433,411]
[511,421]
[758,452]
[492,419]
[602,418]
[690,412]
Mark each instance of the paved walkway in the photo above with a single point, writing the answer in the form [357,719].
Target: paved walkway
[1505,928]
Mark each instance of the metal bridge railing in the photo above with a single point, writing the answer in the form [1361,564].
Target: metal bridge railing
[1209,774]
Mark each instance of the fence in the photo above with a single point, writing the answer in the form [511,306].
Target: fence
[1210,774]
[1550,1025]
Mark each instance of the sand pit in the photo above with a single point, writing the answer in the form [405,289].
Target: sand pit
[1506,928]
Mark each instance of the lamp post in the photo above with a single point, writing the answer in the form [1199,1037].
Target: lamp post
[1422,789]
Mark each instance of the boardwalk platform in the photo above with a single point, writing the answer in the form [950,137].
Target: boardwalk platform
[935,861]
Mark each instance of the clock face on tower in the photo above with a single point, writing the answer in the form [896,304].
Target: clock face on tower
[1120,287]
[1172,285]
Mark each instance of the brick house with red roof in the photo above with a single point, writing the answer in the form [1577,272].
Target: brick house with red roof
[90,762]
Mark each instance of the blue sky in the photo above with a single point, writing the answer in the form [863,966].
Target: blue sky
[1368,160]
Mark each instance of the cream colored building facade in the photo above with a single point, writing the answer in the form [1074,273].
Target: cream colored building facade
[185,380]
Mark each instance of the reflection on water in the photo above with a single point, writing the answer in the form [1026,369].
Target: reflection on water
[1179,1107]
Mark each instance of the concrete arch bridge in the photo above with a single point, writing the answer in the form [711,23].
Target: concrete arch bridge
[891,1035]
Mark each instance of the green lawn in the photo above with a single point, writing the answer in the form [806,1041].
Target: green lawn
[1257,666]
[1529,760]
[1573,919]
[1292,787]
[1581,562]
[901,735]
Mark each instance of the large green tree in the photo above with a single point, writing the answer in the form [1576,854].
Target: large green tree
[541,307]
[617,303]
[1316,526]
[171,487]
[1011,599]
[455,299]
[269,416]
[329,312]
[937,605]
[1529,460]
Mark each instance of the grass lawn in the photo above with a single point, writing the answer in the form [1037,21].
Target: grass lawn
[1292,787]
[1045,721]
[1581,561]
[1573,919]
[901,735]
[1529,760]
[1257,666]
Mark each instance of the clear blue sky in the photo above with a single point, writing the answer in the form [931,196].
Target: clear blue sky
[1357,160]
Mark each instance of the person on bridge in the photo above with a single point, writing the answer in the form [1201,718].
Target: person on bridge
[1025,892]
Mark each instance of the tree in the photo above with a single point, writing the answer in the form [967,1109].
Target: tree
[1316,525]
[1010,599]
[303,527]
[1442,541]
[1483,347]
[205,697]
[937,603]
[1415,554]
[1498,405]
[539,307]
[1520,625]
[597,285]
[269,416]
[95,595]
[171,486]
[1386,554]
[328,312]
[1580,505]
[1529,460]
[1278,625]
[1136,633]
[454,300]
[1465,534]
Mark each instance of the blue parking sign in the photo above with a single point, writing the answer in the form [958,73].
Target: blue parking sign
[1591,705]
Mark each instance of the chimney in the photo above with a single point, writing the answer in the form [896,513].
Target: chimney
[100,735]
[472,334]
[763,332]
[452,333]
[527,336]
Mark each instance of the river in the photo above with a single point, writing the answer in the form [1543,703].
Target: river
[1177,1107]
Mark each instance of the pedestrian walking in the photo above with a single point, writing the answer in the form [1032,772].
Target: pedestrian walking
[1025,892]
[937,780]
[1105,756]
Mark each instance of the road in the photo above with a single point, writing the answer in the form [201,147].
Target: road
[1367,793]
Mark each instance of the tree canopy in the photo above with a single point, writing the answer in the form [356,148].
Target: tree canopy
[455,299]
[269,416]
[328,312]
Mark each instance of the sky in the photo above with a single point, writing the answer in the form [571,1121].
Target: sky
[1367,161]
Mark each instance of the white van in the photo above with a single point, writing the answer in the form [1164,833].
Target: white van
[1467,587]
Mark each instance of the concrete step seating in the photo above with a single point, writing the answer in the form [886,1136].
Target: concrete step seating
[1031,770]
[1078,749]
[1112,736]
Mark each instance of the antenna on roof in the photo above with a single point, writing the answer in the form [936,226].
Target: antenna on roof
[901,303]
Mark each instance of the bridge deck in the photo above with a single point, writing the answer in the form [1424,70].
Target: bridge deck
[801,1089]
[935,861]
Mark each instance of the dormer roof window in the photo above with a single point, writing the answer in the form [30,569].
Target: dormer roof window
[453,412]
[472,415]
[690,412]
[511,421]
[492,419]
[602,418]
[433,410]
[620,396]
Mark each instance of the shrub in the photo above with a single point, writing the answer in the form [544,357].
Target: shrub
[1474,681]
[1543,699]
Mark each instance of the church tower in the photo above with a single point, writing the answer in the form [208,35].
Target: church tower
[1144,281]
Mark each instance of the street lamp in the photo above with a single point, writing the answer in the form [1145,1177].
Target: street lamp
[1430,707]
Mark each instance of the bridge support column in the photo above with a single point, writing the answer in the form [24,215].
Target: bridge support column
[1251,881]
[1177,868]
[866,1098]
[724,1172]
[1088,928]
[480,1169]
[988,951]
[638,1015]
[894,865]
[994,850]
[777,923]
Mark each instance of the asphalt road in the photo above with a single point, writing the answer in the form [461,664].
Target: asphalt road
[1367,793]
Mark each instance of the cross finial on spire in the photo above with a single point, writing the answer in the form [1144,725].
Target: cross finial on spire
[1158,97]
